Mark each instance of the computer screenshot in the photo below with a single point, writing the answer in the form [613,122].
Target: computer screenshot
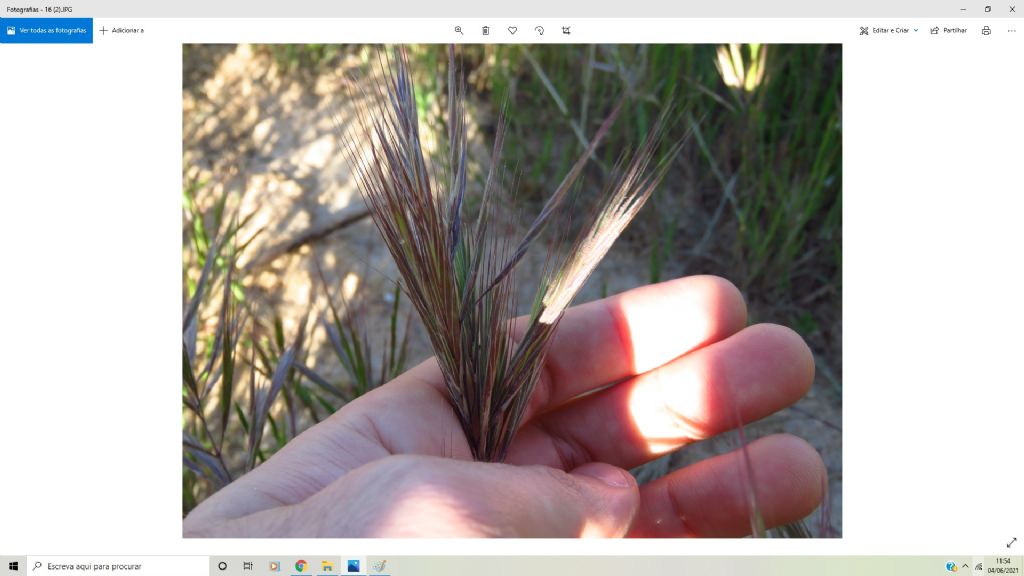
[525,288]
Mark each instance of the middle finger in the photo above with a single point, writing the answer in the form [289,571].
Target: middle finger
[743,378]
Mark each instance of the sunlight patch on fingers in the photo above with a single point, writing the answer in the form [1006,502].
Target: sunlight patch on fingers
[656,337]
[665,406]
[593,528]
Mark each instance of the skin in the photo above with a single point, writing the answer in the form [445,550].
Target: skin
[628,378]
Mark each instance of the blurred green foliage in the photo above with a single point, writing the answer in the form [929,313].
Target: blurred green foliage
[310,59]
[762,174]
[248,388]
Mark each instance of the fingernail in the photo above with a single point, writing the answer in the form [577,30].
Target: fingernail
[610,475]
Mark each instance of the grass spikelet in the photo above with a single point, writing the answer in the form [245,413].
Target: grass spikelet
[458,271]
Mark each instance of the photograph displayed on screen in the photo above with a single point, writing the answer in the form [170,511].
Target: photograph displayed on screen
[512,290]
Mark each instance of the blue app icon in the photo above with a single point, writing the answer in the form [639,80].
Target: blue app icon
[353,565]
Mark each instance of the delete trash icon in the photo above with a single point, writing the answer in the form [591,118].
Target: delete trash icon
[10,30]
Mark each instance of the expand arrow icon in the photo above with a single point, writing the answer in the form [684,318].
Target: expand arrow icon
[1011,542]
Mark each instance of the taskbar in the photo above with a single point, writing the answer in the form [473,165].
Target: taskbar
[354,565]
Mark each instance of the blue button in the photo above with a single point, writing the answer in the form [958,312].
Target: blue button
[45,30]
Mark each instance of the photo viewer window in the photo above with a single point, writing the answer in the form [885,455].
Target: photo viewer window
[529,288]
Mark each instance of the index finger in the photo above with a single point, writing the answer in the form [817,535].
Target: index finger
[602,342]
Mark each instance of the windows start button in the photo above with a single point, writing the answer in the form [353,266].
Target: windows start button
[45,30]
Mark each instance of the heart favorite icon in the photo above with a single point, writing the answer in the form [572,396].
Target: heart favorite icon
[512,29]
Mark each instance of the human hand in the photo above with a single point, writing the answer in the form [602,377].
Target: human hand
[628,378]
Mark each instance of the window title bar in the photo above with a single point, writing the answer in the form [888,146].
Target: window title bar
[524,8]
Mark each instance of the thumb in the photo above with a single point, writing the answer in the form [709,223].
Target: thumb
[428,496]
[441,497]
[594,500]
[614,500]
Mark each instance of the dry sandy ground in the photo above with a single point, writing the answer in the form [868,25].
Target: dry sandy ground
[249,129]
